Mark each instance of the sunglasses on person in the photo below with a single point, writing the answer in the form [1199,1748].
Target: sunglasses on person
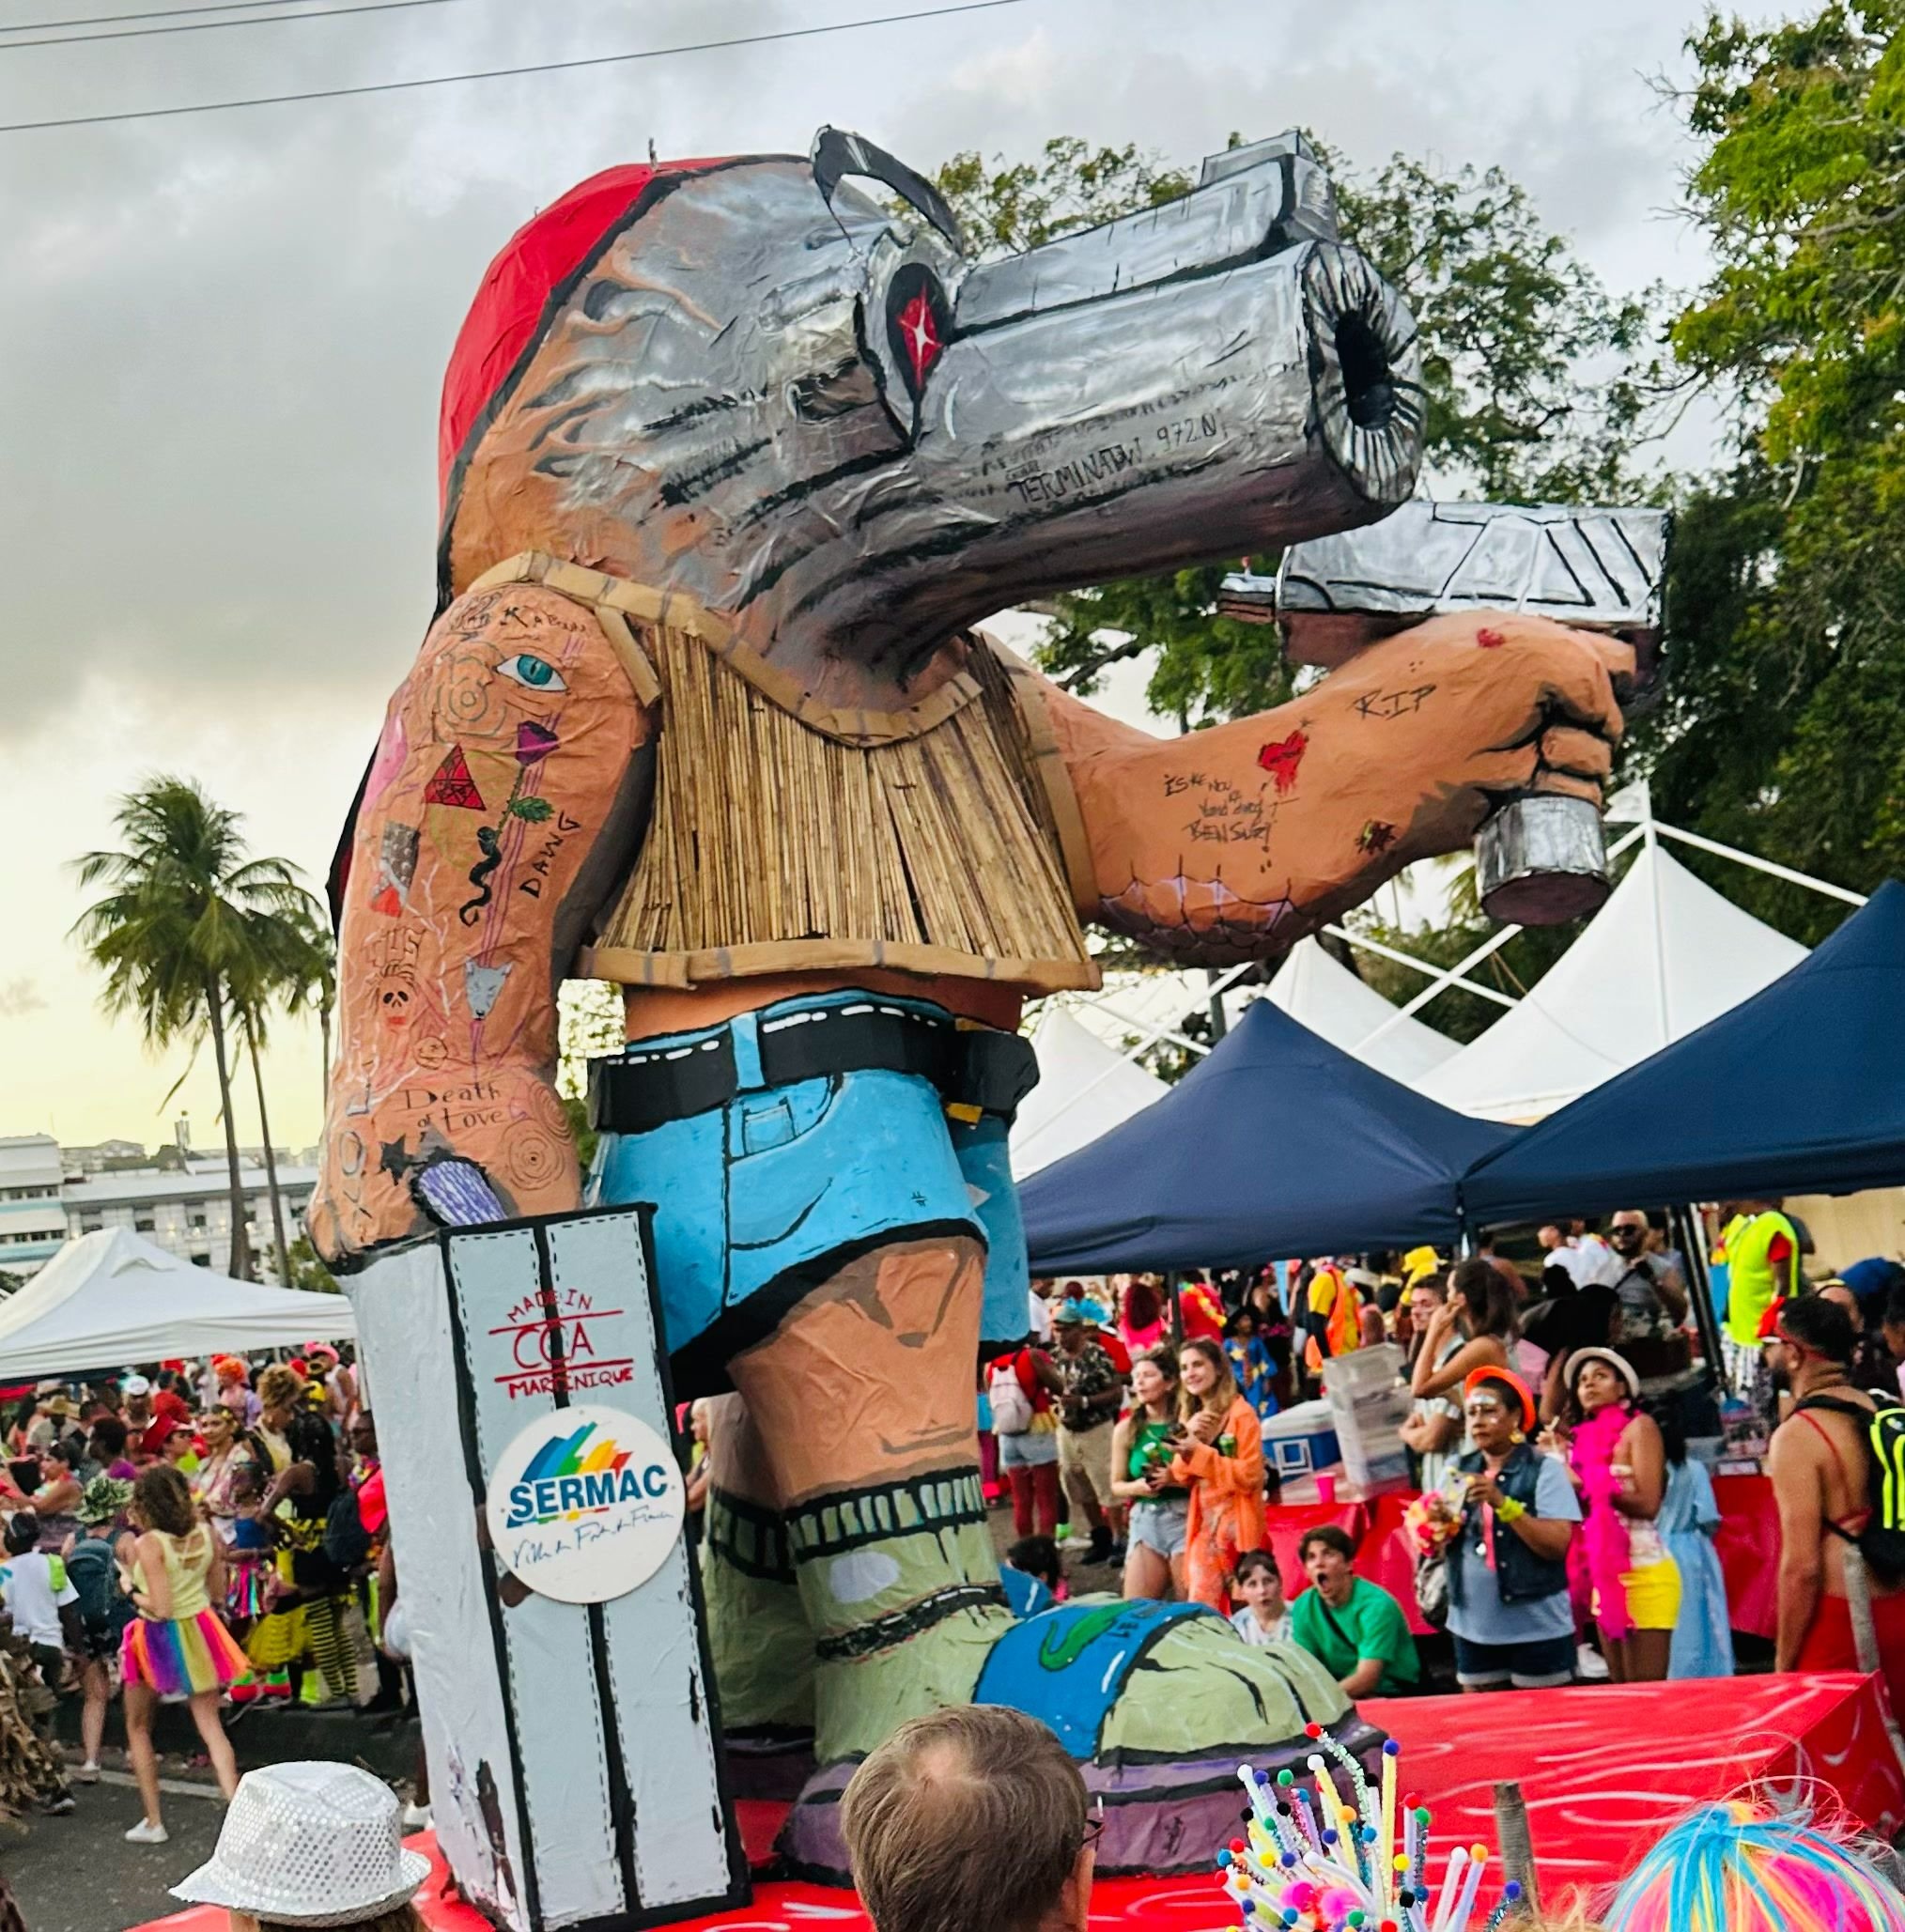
[1094,1827]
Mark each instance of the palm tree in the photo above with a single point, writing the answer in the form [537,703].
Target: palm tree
[176,934]
[291,960]
[311,984]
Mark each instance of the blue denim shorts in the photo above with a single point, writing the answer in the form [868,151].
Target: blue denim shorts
[759,1201]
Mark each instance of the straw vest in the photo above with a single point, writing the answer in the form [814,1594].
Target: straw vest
[788,837]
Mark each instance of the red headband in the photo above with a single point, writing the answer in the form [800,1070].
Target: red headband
[525,286]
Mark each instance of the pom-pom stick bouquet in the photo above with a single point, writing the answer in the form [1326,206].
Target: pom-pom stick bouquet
[1348,1859]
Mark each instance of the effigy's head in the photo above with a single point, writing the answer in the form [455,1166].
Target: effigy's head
[803,403]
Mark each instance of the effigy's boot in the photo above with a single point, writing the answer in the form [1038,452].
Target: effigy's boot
[892,1555]
[758,1640]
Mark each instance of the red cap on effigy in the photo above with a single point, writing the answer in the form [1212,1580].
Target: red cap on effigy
[532,276]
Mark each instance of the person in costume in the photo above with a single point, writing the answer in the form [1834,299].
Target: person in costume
[1619,1466]
[105,1608]
[311,1845]
[1689,1516]
[1745,1866]
[1823,1465]
[1433,1430]
[1250,1363]
[1141,1453]
[175,1646]
[1508,1608]
[1219,1457]
[1474,1328]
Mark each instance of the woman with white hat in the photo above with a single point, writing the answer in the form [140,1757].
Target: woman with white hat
[310,1845]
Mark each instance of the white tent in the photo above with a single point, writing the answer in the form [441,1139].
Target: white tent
[1329,999]
[1085,1087]
[1664,955]
[111,1298]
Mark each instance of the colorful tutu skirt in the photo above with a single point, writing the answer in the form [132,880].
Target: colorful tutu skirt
[183,1656]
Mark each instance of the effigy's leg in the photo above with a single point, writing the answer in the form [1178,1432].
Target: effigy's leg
[864,1402]
[758,1639]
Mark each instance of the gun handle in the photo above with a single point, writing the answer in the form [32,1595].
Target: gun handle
[1542,861]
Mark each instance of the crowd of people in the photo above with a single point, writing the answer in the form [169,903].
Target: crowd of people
[201,1533]
[1561,1425]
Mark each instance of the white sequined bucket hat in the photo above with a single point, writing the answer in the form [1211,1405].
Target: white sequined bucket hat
[309,1845]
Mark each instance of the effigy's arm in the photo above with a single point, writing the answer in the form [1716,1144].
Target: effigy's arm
[1232,843]
[511,779]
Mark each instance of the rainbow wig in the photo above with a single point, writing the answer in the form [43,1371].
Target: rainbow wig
[1743,1867]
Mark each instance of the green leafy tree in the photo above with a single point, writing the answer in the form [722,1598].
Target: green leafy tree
[175,932]
[310,983]
[1783,727]
[306,1270]
[1539,382]
[287,954]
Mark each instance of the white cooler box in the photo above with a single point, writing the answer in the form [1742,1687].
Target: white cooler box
[1301,1441]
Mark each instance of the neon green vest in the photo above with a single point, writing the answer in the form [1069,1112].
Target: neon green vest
[1754,1282]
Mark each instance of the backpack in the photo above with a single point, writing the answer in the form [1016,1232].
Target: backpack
[105,1608]
[1012,1408]
[346,1543]
[1881,1542]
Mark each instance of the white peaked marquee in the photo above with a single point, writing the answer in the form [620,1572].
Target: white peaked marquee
[1085,1087]
[110,1299]
[1664,955]
[1330,1001]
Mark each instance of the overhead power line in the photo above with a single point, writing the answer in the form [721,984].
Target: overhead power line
[109,20]
[499,73]
[214,26]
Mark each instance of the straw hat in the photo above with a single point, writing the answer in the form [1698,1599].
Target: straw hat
[309,1845]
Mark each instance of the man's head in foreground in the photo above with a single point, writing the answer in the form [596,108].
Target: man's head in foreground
[969,1818]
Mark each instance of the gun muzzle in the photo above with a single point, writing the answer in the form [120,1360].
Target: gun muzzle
[1541,859]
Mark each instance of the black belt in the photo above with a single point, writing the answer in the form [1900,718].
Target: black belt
[977,1071]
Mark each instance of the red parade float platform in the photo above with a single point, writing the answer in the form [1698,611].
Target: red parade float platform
[1604,1769]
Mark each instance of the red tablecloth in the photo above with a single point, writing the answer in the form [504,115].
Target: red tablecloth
[1605,1770]
[1748,1542]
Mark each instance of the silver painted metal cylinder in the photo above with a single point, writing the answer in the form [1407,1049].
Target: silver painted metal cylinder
[1542,861]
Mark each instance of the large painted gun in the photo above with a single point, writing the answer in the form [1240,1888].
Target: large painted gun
[1539,861]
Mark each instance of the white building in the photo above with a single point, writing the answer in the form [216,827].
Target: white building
[33,1220]
[47,1197]
[189,1213]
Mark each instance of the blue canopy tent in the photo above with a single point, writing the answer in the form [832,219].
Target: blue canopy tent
[1799,1090]
[1277,1144]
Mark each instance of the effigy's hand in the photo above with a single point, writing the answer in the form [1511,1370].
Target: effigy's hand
[1232,843]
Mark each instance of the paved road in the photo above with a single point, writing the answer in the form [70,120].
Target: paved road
[77,1874]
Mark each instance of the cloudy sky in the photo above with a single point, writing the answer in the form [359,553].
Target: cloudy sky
[223,335]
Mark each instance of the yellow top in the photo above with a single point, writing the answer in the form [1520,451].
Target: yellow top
[188,1562]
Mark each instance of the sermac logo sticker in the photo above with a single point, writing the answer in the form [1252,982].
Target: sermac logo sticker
[585,1503]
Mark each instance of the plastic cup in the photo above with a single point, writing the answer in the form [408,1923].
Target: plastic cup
[1326,1488]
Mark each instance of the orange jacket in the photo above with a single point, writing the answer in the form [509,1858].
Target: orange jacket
[1225,1491]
